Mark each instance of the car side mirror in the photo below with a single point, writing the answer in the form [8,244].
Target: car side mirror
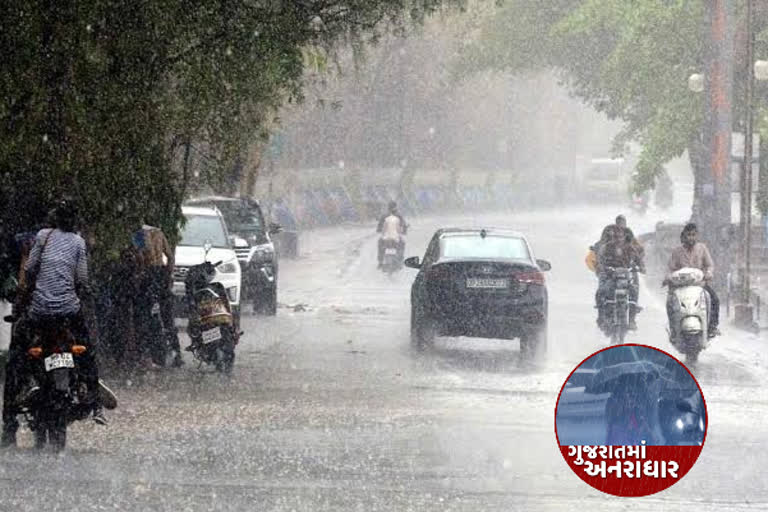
[544,265]
[275,228]
[412,262]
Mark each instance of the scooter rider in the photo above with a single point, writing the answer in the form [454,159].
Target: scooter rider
[694,254]
[392,227]
[617,252]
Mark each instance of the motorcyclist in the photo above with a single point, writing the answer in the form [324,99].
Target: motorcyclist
[59,257]
[629,236]
[617,252]
[694,254]
[392,227]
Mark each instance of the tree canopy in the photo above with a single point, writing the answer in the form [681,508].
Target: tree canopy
[628,60]
[102,100]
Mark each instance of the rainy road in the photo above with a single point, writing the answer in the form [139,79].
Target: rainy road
[329,409]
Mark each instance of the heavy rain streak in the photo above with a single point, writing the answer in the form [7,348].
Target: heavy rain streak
[331,255]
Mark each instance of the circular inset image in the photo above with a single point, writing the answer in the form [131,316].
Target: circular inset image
[631,420]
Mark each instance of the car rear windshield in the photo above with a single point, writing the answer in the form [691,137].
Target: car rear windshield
[490,247]
[200,228]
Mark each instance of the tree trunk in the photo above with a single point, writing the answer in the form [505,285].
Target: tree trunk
[696,157]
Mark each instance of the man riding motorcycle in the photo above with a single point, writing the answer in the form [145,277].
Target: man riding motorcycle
[59,263]
[617,252]
[637,248]
[694,254]
[392,227]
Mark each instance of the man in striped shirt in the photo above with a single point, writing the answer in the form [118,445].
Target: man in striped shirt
[59,259]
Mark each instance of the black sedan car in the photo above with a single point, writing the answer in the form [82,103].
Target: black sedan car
[481,283]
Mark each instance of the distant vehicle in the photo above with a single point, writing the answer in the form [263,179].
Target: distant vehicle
[204,226]
[253,245]
[605,179]
[638,203]
[480,282]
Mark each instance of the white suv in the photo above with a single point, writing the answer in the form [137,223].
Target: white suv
[207,225]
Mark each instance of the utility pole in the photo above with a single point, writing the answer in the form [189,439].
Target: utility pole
[716,190]
[744,311]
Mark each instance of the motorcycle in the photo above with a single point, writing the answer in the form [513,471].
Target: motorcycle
[683,420]
[55,394]
[393,260]
[616,308]
[639,203]
[688,309]
[211,328]
[665,194]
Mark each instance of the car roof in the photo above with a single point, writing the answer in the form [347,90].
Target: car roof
[476,231]
[200,210]
[219,199]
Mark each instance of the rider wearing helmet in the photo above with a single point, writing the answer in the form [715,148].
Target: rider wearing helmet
[392,227]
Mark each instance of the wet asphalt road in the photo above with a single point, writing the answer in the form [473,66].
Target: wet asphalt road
[329,409]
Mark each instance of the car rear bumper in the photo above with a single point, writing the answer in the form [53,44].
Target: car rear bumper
[487,323]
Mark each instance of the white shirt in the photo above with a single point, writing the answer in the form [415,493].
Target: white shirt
[392,228]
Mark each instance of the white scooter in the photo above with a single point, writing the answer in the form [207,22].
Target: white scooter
[688,308]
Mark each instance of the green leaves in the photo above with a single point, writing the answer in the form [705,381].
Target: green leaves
[628,59]
[100,98]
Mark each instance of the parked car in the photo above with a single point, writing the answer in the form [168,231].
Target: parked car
[255,249]
[206,226]
[482,283]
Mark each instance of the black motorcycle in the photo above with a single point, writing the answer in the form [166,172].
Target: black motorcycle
[393,257]
[54,393]
[212,327]
[617,304]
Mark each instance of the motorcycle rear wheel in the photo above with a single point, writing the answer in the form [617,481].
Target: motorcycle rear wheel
[225,355]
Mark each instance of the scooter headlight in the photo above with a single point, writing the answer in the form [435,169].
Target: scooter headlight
[228,268]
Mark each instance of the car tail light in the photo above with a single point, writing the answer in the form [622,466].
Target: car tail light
[35,352]
[78,349]
[530,277]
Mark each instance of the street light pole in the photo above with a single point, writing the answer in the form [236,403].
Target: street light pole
[715,192]
[744,316]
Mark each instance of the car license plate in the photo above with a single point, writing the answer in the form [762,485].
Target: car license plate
[56,361]
[485,282]
[391,251]
[211,335]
